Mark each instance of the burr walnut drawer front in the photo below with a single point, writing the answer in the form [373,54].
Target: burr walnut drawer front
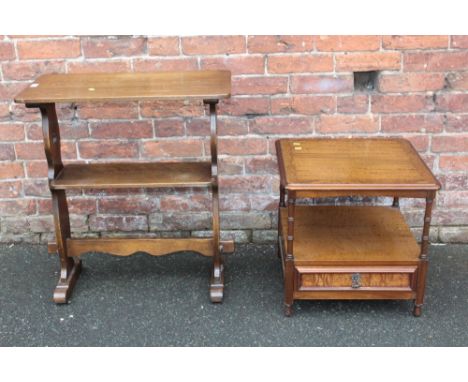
[355,278]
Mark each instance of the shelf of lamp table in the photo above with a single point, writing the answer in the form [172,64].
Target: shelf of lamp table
[133,175]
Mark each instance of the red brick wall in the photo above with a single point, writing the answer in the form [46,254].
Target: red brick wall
[282,85]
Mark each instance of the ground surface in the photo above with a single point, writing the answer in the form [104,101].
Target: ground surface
[147,301]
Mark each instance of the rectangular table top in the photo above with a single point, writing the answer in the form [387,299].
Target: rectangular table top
[352,164]
[96,87]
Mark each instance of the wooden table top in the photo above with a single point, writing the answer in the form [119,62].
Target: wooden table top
[352,164]
[96,87]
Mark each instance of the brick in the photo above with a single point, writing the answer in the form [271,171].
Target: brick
[80,206]
[247,183]
[249,106]
[21,71]
[322,84]
[20,113]
[226,127]
[113,66]
[453,162]
[411,82]
[347,124]
[454,181]
[128,205]
[414,42]
[10,189]
[242,146]
[453,234]
[259,85]
[35,150]
[164,64]
[7,151]
[231,166]
[452,102]
[456,123]
[451,217]
[419,142]
[9,90]
[68,130]
[7,51]
[169,127]
[163,46]
[44,49]
[458,80]
[450,143]
[401,103]
[4,111]
[347,43]
[368,61]
[427,123]
[36,187]
[234,202]
[213,45]
[303,104]
[246,220]
[166,109]
[300,63]
[459,42]
[173,148]
[236,64]
[435,61]
[11,132]
[261,165]
[107,149]
[265,236]
[184,203]
[259,202]
[352,104]
[111,110]
[180,221]
[11,170]
[17,207]
[281,125]
[107,47]
[130,130]
[118,223]
[36,169]
[279,44]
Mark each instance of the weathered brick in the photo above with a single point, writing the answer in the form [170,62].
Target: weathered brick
[420,142]
[43,49]
[253,220]
[415,42]
[113,66]
[35,150]
[36,187]
[453,181]
[347,43]
[453,162]
[452,102]
[303,104]
[249,106]
[456,123]
[453,234]
[426,123]
[111,110]
[20,71]
[353,104]
[281,125]
[107,149]
[226,127]
[259,85]
[11,132]
[180,221]
[450,143]
[11,170]
[17,207]
[411,82]
[231,165]
[166,109]
[347,124]
[236,64]
[300,63]
[261,165]
[260,202]
[7,51]
[242,146]
[68,130]
[125,205]
[435,61]
[213,45]
[368,61]
[450,216]
[458,80]
[10,189]
[118,223]
[163,46]
[4,111]
[164,64]
[169,127]
[459,42]
[247,183]
[401,103]
[322,84]
[7,151]
[9,90]
[130,130]
[36,169]
[279,44]
[234,202]
[183,203]
[173,148]
[106,47]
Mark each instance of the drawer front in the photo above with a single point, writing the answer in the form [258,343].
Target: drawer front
[355,278]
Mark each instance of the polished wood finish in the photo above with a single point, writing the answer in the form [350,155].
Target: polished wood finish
[98,87]
[208,86]
[133,175]
[351,252]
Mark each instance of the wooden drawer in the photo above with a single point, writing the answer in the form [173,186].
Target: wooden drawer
[355,278]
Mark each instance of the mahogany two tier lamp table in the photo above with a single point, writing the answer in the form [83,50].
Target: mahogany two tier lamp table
[207,86]
[352,252]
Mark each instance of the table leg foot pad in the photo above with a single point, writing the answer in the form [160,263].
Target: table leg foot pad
[217,284]
[65,286]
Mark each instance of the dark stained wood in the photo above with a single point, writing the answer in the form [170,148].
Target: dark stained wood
[98,87]
[352,252]
[133,175]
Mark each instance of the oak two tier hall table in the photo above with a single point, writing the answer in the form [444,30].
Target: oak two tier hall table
[352,252]
[47,90]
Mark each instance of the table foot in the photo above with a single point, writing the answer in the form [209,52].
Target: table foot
[217,284]
[417,310]
[65,286]
[288,310]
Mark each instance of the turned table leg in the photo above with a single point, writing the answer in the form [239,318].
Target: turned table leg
[289,261]
[423,259]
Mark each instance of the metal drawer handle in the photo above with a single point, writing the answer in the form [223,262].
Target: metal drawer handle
[356,280]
